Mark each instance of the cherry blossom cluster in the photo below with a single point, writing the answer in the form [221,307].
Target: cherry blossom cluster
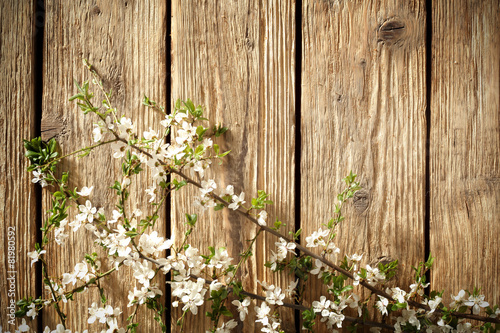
[201,277]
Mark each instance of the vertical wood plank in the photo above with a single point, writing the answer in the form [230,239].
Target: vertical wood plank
[237,59]
[125,41]
[17,122]
[363,109]
[465,146]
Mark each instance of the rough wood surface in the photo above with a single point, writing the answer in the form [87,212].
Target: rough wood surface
[465,146]
[363,109]
[237,59]
[125,40]
[17,122]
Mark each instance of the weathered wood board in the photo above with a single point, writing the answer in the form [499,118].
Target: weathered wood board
[17,122]
[364,88]
[237,59]
[363,109]
[465,146]
[125,41]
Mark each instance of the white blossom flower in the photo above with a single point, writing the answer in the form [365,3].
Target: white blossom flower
[355,259]
[317,238]
[242,307]
[116,215]
[119,149]
[192,294]
[373,275]
[68,278]
[323,306]
[87,212]
[334,319]
[220,259]
[445,327]
[109,123]
[59,232]
[226,327]
[397,293]
[141,295]
[143,272]
[207,186]
[176,151]
[408,316]
[433,304]
[208,143]
[76,224]
[151,190]
[152,244]
[262,217]
[23,327]
[85,191]
[200,166]
[319,267]
[417,288]
[464,327]
[215,285]
[274,295]
[39,176]
[81,271]
[167,121]
[273,326]
[34,255]
[353,303]
[290,291]
[477,302]
[332,249]
[150,135]
[237,201]
[382,304]
[283,248]
[262,313]
[124,127]
[104,315]
[97,133]
[185,133]
[229,190]
[32,312]
[459,299]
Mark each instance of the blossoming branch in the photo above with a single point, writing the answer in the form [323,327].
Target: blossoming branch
[200,276]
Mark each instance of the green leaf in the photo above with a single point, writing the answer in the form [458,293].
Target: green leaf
[189,104]
[191,219]
[226,312]
[200,130]
[199,150]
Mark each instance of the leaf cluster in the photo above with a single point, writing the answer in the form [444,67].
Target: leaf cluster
[40,153]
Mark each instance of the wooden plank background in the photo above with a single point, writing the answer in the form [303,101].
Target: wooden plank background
[404,93]
[219,52]
[465,146]
[363,109]
[125,41]
[17,122]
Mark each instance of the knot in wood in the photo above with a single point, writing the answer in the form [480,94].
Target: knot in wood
[96,10]
[391,31]
[250,45]
[361,201]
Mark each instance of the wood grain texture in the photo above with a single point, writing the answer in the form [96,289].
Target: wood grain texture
[465,146]
[125,41]
[363,109]
[237,59]
[17,122]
